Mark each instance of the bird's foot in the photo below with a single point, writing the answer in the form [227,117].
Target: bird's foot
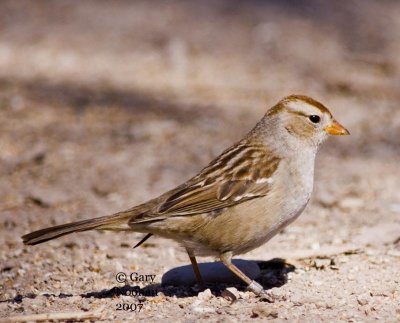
[264,295]
[256,288]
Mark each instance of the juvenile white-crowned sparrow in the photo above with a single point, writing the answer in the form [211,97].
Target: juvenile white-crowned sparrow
[241,199]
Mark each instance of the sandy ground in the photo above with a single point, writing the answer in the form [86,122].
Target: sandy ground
[106,104]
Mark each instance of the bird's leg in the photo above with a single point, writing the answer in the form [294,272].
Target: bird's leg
[226,258]
[196,269]
[252,285]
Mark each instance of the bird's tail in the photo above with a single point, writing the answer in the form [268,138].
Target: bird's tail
[118,221]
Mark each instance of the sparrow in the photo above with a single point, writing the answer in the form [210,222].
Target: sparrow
[241,199]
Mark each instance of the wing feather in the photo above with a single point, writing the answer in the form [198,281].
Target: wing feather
[219,185]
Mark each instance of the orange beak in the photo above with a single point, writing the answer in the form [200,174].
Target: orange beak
[336,129]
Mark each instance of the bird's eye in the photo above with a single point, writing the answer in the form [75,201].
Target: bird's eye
[314,118]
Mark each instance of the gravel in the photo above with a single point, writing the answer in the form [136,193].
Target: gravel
[103,106]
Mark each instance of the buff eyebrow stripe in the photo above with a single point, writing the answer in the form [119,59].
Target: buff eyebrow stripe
[298,113]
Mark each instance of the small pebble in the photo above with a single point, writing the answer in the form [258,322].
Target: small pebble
[205,295]
[199,309]
[85,305]
[264,311]
[244,295]
[362,300]
[322,263]
[231,294]
[351,203]
[394,252]
[320,304]
[296,300]
[326,199]
[279,293]
[141,298]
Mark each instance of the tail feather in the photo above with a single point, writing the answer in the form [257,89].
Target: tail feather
[111,222]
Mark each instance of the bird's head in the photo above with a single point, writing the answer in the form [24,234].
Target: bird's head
[300,118]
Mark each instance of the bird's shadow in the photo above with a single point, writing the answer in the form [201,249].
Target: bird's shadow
[273,273]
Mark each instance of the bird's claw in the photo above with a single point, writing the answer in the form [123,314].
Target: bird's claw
[264,295]
[267,297]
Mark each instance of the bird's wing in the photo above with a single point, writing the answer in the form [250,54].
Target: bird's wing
[241,173]
[195,199]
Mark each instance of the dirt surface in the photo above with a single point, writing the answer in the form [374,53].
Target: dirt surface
[105,104]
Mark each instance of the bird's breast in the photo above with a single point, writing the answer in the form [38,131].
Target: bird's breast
[294,183]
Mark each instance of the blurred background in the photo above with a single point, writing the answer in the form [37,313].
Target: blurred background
[104,104]
[121,74]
